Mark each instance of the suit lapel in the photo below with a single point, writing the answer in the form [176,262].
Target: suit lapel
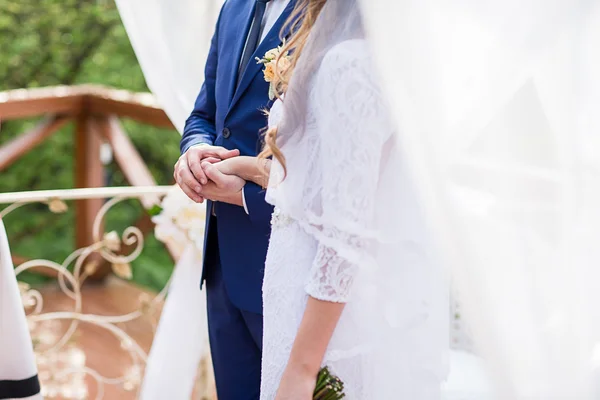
[245,19]
[271,41]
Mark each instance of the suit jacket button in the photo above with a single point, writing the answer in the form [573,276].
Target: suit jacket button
[226,133]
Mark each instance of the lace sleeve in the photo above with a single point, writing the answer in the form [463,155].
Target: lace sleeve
[353,128]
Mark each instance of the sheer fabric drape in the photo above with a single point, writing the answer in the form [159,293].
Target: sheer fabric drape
[171,41]
[18,369]
[498,108]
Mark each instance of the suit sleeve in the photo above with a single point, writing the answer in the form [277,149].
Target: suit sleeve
[258,209]
[200,126]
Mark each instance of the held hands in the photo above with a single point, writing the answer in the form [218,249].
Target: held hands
[223,184]
[191,176]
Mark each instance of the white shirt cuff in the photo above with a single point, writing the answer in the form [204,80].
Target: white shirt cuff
[244,201]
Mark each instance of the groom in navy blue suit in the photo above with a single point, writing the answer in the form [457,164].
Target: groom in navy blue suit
[227,120]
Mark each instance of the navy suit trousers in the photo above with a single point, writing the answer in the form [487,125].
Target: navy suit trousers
[235,341]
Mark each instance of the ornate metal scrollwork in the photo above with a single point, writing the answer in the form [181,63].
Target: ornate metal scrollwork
[62,366]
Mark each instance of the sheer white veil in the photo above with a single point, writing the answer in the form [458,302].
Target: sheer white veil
[496,105]
[399,292]
[498,108]
[339,21]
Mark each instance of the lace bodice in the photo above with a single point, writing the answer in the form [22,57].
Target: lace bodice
[334,168]
[346,228]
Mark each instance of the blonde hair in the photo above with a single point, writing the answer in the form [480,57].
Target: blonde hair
[299,24]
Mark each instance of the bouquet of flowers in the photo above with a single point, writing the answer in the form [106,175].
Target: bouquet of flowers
[272,65]
[179,221]
[329,387]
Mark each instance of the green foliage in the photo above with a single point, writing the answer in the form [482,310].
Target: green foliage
[46,43]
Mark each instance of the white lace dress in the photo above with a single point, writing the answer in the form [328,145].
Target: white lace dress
[325,210]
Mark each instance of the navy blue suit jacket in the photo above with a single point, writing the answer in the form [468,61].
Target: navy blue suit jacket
[232,116]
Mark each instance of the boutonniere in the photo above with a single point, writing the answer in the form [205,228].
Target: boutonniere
[269,60]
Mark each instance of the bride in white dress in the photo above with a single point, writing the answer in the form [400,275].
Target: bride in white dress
[351,280]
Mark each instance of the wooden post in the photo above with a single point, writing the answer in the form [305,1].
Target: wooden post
[89,173]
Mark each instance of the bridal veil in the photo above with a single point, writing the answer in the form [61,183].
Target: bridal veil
[497,105]
[348,187]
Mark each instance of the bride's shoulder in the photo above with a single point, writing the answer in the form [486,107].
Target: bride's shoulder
[275,113]
[347,53]
[357,47]
[347,57]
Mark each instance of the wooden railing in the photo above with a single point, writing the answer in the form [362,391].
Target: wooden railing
[96,112]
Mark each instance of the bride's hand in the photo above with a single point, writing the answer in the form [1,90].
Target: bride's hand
[217,175]
[226,167]
[296,384]
[241,167]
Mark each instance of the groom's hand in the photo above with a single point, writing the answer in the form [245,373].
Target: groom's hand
[188,171]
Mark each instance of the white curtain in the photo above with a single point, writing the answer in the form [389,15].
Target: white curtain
[181,339]
[18,370]
[498,104]
[171,41]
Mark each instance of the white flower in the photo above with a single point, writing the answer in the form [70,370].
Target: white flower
[167,231]
[181,221]
[272,54]
[190,216]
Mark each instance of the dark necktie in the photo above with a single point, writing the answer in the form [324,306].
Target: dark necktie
[253,37]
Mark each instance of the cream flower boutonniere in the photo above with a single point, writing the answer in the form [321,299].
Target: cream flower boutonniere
[270,62]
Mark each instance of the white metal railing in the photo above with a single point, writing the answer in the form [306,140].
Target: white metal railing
[81,194]
[61,362]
